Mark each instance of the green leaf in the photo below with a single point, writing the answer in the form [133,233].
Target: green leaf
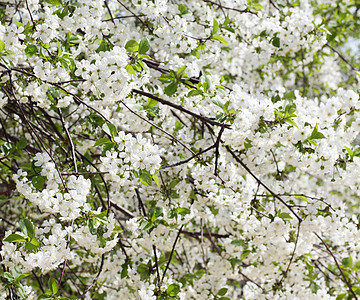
[183,9]
[222,291]
[215,27]
[220,39]
[316,135]
[102,141]
[256,6]
[8,277]
[53,285]
[180,72]
[151,103]
[16,272]
[144,46]
[130,69]
[143,271]
[228,28]
[38,182]
[290,121]
[290,109]
[347,261]
[244,254]
[146,178]
[194,93]
[171,89]
[341,296]
[20,289]
[238,243]
[109,129]
[15,238]
[59,49]
[2,46]
[92,226]
[284,215]
[30,247]
[178,125]
[54,2]
[45,297]
[183,211]
[173,290]
[166,78]
[27,228]
[21,144]
[227,21]
[351,153]
[218,103]
[34,241]
[156,179]
[276,42]
[132,46]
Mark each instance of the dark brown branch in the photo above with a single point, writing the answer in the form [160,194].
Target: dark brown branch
[96,277]
[338,266]
[217,143]
[141,204]
[188,159]
[156,266]
[31,17]
[179,107]
[196,234]
[171,253]
[70,141]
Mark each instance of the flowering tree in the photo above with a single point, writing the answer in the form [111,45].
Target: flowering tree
[195,149]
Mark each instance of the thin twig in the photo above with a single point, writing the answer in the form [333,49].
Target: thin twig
[261,183]
[156,266]
[96,277]
[171,253]
[342,58]
[157,127]
[70,141]
[337,264]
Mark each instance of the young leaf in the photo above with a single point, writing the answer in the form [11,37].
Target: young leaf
[183,9]
[27,228]
[102,141]
[130,69]
[109,129]
[227,21]
[144,46]
[222,291]
[53,285]
[54,2]
[146,178]
[22,143]
[132,46]
[15,238]
[173,290]
[2,46]
[171,89]
[215,27]
[30,50]
[38,182]
[276,42]
[151,103]
[220,39]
